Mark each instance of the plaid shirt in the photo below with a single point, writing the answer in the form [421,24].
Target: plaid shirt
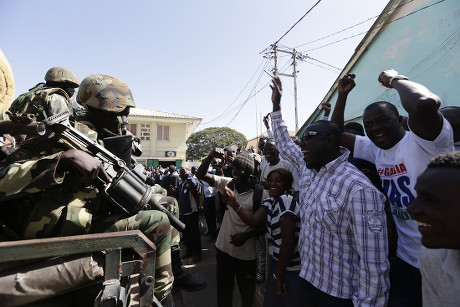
[343,239]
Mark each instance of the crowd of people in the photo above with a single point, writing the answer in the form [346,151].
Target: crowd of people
[351,214]
[346,215]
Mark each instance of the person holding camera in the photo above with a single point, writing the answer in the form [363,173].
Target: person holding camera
[236,242]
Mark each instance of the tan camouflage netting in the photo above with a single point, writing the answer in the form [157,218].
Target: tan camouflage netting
[6,83]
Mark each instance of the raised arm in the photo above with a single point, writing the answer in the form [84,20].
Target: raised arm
[267,125]
[202,171]
[344,87]
[425,120]
[277,92]
[326,106]
[286,146]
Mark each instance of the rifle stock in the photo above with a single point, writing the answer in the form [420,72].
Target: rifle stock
[127,191]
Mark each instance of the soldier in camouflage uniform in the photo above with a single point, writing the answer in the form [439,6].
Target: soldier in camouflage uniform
[42,100]
[46,191]
[49,97]
[103,99]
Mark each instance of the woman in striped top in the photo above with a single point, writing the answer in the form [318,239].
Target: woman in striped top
[281,213]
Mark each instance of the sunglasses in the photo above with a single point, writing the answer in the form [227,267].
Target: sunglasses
[308,135]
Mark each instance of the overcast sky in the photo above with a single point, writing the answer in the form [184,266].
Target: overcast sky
[200,58]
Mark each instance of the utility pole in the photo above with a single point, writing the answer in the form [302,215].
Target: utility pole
[295,56]
[294,73]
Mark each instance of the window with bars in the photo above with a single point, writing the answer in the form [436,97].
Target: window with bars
[145,132]
[162,133]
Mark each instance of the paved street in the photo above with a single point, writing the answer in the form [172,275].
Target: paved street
[206,268]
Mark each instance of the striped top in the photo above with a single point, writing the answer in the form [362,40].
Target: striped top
[343,238]
[285,206]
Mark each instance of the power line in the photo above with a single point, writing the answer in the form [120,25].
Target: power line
[335,33]
[321,66]
[310,58]
[253,95]
[297,21]
[335,42]
[452,40]
[227,112]
[223,114]
[377,27]
[350,27]
[244,103]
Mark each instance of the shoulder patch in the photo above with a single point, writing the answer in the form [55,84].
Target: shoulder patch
[374,220]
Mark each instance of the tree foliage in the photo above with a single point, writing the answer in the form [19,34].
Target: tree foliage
[200,143]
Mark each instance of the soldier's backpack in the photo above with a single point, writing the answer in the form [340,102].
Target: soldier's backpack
[34,101]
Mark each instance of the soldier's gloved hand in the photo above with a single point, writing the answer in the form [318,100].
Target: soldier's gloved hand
[87,167]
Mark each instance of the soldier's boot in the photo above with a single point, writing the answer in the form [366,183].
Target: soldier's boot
[182,279]
[168,301]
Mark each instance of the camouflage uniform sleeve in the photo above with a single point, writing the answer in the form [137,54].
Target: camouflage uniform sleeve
[29,177]
[56,104]
[88,129]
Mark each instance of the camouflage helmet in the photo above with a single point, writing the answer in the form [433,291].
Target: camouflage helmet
[105,93]
[61,75]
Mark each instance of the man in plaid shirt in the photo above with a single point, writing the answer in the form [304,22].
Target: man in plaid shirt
[343,240]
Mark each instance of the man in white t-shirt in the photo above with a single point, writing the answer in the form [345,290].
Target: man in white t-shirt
[399,156]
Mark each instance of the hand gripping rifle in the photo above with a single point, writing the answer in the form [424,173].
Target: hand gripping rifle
[127,191]
[22,124]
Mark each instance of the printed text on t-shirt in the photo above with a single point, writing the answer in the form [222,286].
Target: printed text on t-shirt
[391,171]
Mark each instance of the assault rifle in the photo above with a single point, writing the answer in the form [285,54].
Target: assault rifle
[127,192]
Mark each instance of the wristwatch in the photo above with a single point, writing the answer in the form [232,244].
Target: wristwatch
[397,77]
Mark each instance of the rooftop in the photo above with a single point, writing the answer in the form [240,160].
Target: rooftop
[156,113]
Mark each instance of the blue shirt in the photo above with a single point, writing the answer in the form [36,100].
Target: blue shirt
[184,195]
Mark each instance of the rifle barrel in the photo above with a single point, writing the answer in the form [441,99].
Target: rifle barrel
[11,127]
